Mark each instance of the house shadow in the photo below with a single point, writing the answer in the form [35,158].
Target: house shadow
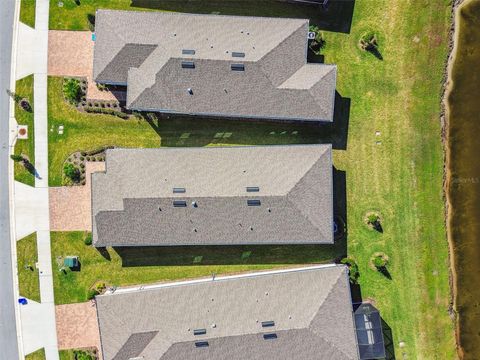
[197,131]
[336,16]
[245,254]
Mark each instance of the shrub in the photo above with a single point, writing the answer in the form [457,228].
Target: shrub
[353,269]
[25,105]
[319,42]
[88,240]
[372,219]
[92,293]
[379,262]
[91,21]
[17,158]
[106,111]
[72,91]
[71,172]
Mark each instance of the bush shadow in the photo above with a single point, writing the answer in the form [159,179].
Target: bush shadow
[335,16]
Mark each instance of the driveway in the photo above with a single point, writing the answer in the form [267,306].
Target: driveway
[70,53]
[70,206]
[77,326]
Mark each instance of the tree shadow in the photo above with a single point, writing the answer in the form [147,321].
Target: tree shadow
[375,52]
[104,252]
[336,16]
[31,169]
[384,271]
[186,131]
[377,226]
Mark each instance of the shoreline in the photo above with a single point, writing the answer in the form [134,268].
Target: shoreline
[447,83]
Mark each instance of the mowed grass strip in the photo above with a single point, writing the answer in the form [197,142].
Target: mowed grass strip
[37,355]
[151,264]
[27,257]
[27,12]
[24,88]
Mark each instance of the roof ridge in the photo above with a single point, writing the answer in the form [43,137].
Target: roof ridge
[309,90]
[295,186]
[342,273]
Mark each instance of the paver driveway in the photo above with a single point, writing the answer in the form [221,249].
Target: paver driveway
[70,206]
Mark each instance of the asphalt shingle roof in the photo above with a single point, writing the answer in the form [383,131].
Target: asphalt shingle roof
[144,50]
[133,201]
[310,308]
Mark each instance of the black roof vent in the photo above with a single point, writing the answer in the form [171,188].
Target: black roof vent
[253,189]
[188,65]
[268,323]
[253,202]
[238,67]
[199,331]
[269,336]
[188,52]
[179,203]
[178,190]
[238,54]
[201,343]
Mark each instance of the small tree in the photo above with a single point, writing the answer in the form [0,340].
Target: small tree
[380,262]
[14,96]
[372,219]
[72,91]
[71,172]
[369,42]
[17,158]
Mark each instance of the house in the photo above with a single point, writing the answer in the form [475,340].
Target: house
[210,65]
[303,313]
[214,196]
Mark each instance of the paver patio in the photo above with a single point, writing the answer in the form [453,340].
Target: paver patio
[70,53]
[70,206]
[77,326]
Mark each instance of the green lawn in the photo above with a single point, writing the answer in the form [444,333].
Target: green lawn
[27,12]
[29,282]
[24,88]
[400,177]
[37,355]
[160,264]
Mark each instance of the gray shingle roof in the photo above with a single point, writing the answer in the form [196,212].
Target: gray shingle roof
[310,307]
[133,201]
[144,51]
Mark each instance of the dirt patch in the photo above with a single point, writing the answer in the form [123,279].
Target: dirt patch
[70,206]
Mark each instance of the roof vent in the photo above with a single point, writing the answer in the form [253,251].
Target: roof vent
[199,331]
[253,189]
[253,202]
[188,65]
[237,67]
[269,336]
[268,323]
[179,203]
[178,190]
[194,204]
[238,54]
[190,91]
[188,52]
[201,343]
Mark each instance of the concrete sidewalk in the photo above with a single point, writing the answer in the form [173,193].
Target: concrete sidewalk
[38,320]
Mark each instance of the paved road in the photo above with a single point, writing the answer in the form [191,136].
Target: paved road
[8,328]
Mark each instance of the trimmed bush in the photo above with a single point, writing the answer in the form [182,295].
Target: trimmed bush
[72,91]
[106,111]
[88,240]
[92,293]
[353,269]
[71,172]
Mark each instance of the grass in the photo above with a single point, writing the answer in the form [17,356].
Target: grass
[66,355]
[24,88]
[76,17]
[29,282]
[400,178]
[37,355]
[161,264]
[27,12]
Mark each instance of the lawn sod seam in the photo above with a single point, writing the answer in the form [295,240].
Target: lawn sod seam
[397,172]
